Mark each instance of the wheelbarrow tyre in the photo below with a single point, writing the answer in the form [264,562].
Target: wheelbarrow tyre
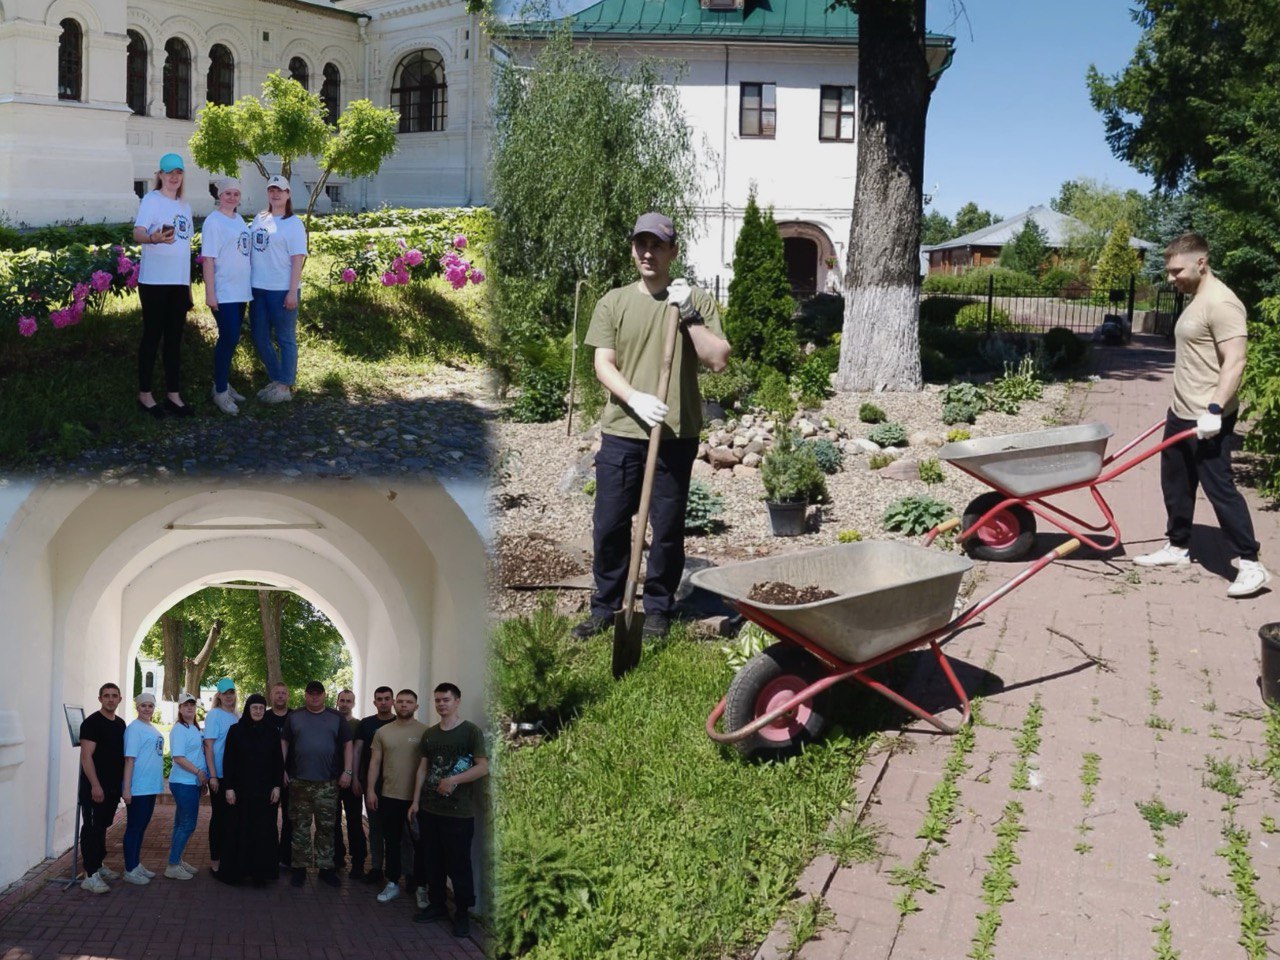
[1009,535]
[768,678]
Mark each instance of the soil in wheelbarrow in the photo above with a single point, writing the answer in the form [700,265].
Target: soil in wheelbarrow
[787,595]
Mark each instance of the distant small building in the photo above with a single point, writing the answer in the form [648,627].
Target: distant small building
[981,248]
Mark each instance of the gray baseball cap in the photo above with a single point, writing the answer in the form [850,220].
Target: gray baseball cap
[657,224]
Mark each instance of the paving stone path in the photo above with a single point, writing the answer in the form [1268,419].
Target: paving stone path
[202,919]
[1149,677]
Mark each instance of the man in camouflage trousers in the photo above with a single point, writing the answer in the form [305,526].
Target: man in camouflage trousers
[318,741]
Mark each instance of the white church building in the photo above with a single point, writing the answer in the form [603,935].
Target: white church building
[93,92]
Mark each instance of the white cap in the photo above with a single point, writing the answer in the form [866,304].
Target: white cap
[188,698]
[228,183]
[279,181]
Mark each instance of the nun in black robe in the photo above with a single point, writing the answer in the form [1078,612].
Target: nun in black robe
[253,773]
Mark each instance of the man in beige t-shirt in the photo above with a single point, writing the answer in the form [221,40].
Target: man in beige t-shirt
[393,755]
[1209,362]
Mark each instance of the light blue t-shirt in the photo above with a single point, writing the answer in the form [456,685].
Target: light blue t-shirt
[186,742]
[145,744]
[216,724]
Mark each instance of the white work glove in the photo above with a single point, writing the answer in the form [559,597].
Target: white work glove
[647,407]
[1209,425]
[680,293]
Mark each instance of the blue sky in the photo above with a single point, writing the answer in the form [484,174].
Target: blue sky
[1011,120]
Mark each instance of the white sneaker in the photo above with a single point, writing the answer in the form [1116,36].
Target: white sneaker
[422,898]
[1253,576]
[265,391]
[389,893]
[106,873]
[136,876]
[94,884]
[174,871]
[236,395]
[188,867]
[149,874]
[278,393]
[225,403]
[1166,556]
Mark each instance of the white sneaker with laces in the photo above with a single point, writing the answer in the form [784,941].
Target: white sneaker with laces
[1253,576]
[265,391]
[1166,556]
[106,873]
[174,871]
[94,884]
[188,867]
[389,893]
[236,395]
[224,402]
[149,874]
[136,876]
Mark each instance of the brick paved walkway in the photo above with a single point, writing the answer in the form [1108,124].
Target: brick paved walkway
[202,919]
[1180,691]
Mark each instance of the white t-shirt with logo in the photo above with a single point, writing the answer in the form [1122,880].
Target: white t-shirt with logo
[275,241]
[165,263]
[226,239]
[145,744]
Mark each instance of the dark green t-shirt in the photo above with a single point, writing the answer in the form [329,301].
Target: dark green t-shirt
[630,321]
[450,752]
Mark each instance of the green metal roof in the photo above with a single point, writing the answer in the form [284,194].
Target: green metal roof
[796,21]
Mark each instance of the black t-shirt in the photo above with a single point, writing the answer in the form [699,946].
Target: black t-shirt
[367,728]
[108,753]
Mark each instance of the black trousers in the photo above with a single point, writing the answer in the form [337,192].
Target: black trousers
[1204,463]
[444,850]
[619,477]
[219,822]
[393,813]
[350,804]
[164,314]
[286,829]
[96,819]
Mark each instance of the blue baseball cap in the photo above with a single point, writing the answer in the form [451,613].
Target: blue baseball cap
[170,162]
[225,684]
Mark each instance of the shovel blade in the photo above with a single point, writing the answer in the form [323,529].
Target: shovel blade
[628,636]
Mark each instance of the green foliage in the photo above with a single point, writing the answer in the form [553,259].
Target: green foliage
[957,434]
[774,394]
[734,383]
[544,383]
[790,471]
[537,669]
[1099,206]
[1056,281]
[1158,816]
[970,218]
[975,283]
[1028,250]
[931,471]
[878,461]
[1063,348]
[751,640]
[1260,395]
[1222,775]
[851,841]
[888,435]
[940,310]
[541,885]
[961,403]
[1118,262]
[870,413]
[830,457]
[848,536]
[915,515]
[1007,393]
[758,318]
[54,238]
[974,318]
[935,227]
[935,366]
[589,488]
[812,379]
[703,509]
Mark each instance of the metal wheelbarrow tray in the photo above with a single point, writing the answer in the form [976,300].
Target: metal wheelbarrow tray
[1024,469]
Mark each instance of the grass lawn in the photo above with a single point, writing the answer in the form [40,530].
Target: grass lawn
[70,390]
[631,834]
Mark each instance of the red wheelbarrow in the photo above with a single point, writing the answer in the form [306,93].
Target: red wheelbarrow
[1026,468]
[890,598]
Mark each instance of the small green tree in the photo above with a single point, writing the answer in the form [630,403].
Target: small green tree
[970,218]
[758,318]
[288,122]
[1028,251]
[935,227]
[1117,262]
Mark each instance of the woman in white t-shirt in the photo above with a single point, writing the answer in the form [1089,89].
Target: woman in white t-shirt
[164,228]
[187,778]
[225,248]
[143,780]
[279,242]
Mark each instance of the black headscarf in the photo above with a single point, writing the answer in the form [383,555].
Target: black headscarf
[246,718]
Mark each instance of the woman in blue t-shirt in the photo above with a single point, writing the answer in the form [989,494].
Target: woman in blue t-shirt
[143,780]
[186,782]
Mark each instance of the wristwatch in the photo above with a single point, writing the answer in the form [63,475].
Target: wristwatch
[346,773]
[1215,409]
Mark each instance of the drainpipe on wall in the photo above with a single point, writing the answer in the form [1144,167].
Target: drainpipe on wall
[364,45]
[724,162]
[472,35]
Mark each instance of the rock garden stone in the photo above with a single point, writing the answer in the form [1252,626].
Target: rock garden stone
[752,459]
[864,445]
[722,458]
[904,469]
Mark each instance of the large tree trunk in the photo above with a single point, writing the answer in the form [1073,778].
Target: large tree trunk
[174,662]
[198,664]
[880,345]
[271,609]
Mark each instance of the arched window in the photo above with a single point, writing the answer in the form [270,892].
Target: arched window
[177,80]
[70,60]
[420,93]
[149,680]
[136,75]
[331,93]
[221,83]
[298,71]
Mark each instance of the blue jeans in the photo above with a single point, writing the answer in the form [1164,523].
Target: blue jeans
[268,318]
[230,317]
[138,814]
[187,798]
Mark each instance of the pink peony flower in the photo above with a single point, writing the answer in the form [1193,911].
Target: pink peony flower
[80,291]
[75,312]
[131,281]
[389,279]
[348,275]
[124,265]
[413,258]
[477,275]
[402,276]
[456,274]
[460,242]
[100,280]
[27,326]
[449,259]
[199,259]
[397,265]
[60,319]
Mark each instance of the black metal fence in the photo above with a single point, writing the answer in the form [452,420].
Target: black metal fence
[1004,306]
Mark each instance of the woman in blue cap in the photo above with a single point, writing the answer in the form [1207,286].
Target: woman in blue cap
[164,227]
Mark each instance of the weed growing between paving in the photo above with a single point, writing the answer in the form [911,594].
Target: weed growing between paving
[1090,775]
[1159,816]
[1255,916]
[1027,743]
[687,851]
[851,841]
[805,918]
[1271,736]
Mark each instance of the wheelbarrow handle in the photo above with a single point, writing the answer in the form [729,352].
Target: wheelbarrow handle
[1071,546]
[940,529]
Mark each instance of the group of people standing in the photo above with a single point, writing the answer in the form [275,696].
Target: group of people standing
[311,764]
[255,266]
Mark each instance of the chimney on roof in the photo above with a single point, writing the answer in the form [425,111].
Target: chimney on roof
[722,4]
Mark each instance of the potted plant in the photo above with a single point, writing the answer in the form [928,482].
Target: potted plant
[792,480]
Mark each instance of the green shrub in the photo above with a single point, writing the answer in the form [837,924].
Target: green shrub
[758,316]
[812,379]
[1019,384]
[878,461]
[543,374]
[1057,279]
[790,472]
[973,318]
[830,457]
[820,319]
[931,471]
[870,413]
[1004,283]
[589,488]
[703,508]
[1260,393]
[940,310]
[536,674]
[734,383]
[540,886]
[961,403]
[848,536]
[958,434]
[1063,348]
[916,515]
[774,395]
[888,435]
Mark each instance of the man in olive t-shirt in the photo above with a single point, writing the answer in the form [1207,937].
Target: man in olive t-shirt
[628,332]
[1208,364]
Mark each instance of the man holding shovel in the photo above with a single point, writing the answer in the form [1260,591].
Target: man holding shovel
[630,331]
